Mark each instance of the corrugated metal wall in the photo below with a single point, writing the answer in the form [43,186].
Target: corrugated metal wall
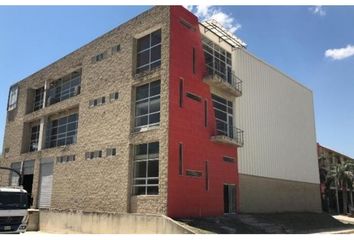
[277,116]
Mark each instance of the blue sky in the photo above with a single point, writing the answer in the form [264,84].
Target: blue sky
[294,39]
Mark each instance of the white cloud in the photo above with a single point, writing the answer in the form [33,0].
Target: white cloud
[206,12]
[340,53]
[189,7]
[318,10]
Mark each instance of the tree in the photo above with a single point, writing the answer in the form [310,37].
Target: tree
[343,175]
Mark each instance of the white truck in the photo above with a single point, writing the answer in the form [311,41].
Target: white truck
[14,204]
[13,210]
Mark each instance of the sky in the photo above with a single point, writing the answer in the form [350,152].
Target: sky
[312,44]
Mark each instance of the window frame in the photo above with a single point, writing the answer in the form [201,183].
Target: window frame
[138,128]
[58,91]
[38,104]
[154,158]
[12,98]
[149,49]
[219,55]
[34,138]
[50,137]
[228,112]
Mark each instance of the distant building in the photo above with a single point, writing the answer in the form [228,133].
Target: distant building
[327,158]
[151,118]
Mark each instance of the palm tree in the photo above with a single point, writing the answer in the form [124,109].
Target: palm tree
[343,175]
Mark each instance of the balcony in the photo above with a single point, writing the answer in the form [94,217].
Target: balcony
[231,135]
[218,77]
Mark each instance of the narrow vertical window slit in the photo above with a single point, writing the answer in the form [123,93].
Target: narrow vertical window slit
[180,92]
[193,60]
[206,176]
[205,113]
[180,159]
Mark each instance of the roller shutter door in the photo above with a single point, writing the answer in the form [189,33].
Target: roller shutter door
[46,180]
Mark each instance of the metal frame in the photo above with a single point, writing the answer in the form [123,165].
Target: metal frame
[214,27]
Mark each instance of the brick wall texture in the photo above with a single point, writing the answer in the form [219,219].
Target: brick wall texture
[102,184]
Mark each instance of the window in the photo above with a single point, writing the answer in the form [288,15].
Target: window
[113,96]
[217,59]
[94,154]
[97,102]
[180,159]
[146,169]
[38,99]
[187,24]
[206,176]
[13,95]
[193,96]
[149,52]
[110,152]
[193,173]
[62,131]
[147,105]
[205,113]
[99,57]
[34,138]
[228,159]
[224,115]
[193,59]
[180,92]
[64,88]
[116,48]
[65,159]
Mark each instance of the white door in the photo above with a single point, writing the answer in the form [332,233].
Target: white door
[46,180]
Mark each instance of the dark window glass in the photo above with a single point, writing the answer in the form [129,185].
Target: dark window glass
[156,37]
[180,92]
[147,105]
[64,88]
[34,138]
[193,60]
[62,131]
[38,99]
[218,60]
[146,169]
[13,96]
[180,159]
[144,43]
[155,53]
[224,115]
[148,52]
[205,113]
[143,58]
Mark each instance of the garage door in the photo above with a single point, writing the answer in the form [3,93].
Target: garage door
[46,180]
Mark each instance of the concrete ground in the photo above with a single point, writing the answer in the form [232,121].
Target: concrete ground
[272,223]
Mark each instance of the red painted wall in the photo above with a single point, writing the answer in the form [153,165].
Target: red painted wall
[187,196]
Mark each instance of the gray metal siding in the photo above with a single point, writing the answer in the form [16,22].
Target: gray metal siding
[277,116]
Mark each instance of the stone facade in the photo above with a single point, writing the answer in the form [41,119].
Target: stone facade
[102,184]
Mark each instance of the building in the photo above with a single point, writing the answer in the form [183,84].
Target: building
[332,200]
[278,168]
[148,119]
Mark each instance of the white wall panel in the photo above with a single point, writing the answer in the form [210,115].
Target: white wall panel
[277,116]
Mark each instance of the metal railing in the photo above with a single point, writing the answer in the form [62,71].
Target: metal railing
[232,132]
[215,68]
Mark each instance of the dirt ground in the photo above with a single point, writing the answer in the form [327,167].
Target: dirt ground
[277,223]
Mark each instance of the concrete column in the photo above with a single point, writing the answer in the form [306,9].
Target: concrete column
[46,88]
[42,135]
